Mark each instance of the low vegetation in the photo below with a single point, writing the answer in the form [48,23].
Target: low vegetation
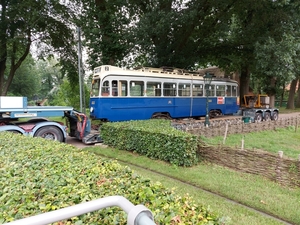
[149,137]
[38,176]
[282,139]
[251,190]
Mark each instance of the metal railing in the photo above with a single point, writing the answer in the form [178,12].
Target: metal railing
[137,215]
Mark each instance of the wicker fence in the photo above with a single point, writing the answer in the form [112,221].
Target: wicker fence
[275,167]
[238,127]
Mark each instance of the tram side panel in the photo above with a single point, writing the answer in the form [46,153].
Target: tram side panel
[231,105]
[130,108]
[226,105]
[142,108]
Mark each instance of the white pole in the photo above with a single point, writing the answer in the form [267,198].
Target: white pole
[137,215]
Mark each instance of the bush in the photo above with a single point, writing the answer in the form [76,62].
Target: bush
[39,175]
[153,138]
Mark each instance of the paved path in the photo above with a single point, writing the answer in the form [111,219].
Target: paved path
[77,143]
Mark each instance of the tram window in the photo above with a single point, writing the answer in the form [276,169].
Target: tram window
[184,89]
[114,88]
[220,90]
[105,88]
[228,90]
[210,90]
[124,88]
[197,90]
[136,88]
[169,89]
[153,89]
[234,91]
[95,87]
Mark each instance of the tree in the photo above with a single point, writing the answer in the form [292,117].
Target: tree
[51,77]
[22,23]
[67,95]
[278,56]
[279,62]
[27,80]
[175,33]
[107,31]
[150,33]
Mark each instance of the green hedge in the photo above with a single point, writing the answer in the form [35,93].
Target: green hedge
[38,175]
[153,138]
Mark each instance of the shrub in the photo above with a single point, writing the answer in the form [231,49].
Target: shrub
[153,138]
[39,175]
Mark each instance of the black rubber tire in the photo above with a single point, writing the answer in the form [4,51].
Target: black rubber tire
[275,116]
[50,133]
[258,117]
[267,116]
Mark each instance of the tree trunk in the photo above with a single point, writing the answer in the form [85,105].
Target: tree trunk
[298,96]
[244,83]
[3,43]
[282,96]
[290,103]
[2,70]
[272,94]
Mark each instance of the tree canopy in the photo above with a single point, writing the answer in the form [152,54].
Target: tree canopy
[230,34]
[244,36]
[47,24]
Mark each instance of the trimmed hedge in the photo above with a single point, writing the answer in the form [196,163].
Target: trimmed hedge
[38,175]
[154,138]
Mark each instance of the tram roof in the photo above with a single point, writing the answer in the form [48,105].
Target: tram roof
[167,72]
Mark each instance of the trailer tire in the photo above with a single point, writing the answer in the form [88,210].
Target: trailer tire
[258,117]
[267,116]
[50,133]
[275,116]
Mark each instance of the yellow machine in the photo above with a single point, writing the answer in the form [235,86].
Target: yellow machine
[256,101]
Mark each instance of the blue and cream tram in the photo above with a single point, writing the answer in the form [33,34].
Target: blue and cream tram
[122,94]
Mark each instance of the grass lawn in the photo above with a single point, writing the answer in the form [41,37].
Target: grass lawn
[286,140]
[252,190]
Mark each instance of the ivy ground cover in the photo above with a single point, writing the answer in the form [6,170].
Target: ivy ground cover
[37,176]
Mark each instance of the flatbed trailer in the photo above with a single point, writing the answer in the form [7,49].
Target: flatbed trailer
[35,121]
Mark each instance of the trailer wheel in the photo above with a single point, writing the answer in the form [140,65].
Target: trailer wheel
[275,116]
[258,117]
[50,133]
[267,116]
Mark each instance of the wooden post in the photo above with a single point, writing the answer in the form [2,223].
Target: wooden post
[243,142]
[298,172]
[278,167]
[225,135]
